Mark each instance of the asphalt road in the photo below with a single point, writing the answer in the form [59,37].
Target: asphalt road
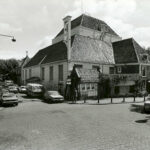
[34,125]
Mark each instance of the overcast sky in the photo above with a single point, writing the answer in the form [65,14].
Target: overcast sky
[35,22]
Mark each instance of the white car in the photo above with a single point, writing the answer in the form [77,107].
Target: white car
[53,96]
[9,98]
[23,89]
[35,90]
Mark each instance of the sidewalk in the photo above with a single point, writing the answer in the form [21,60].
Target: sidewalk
[114,100]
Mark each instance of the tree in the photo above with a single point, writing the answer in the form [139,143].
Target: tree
[8,69]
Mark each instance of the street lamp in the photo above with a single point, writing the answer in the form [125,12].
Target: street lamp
[13,39]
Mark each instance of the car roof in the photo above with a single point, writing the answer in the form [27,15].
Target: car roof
[8,94]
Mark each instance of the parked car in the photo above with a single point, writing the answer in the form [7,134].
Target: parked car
[35,90]
[53,96]
[23,89]
[9,98]
[8,83]
[147,104]
[13,89]
[4,90]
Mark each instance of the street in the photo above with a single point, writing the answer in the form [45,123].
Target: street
[35,125]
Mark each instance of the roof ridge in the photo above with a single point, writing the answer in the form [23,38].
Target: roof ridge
[123,40]
[42,60]
[94,18]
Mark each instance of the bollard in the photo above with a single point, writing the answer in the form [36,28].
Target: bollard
[123,99]
[144,97]
[98,99]
[134,98]
[111,99]
[84,99]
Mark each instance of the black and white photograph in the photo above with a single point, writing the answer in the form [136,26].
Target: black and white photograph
[74,75]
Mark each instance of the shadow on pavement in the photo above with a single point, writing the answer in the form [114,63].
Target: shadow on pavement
[8,105]
[142,121]
[140,109]
[48,102]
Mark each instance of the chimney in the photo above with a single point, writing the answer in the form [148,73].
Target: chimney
[67,35]
[26,53]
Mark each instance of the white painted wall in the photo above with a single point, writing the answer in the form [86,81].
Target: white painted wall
[109,38]
[61,37]
[22,68]
[35,70]
[54,83]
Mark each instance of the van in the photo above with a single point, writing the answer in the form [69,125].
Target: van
[35,90]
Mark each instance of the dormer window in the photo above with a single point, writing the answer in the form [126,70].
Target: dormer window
[145,57]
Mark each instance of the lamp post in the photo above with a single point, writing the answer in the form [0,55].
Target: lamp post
[13,39]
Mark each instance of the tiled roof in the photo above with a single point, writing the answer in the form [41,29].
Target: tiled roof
[140,51]
[84,49]
[128,51]
[124,52]
[90,50]
[23,60]
[51,53]
[87,75]
[89,22]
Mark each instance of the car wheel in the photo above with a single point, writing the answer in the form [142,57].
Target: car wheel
[16,104]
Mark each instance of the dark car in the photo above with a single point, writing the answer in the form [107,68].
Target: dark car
[53,96]
[147,104]
[9,98]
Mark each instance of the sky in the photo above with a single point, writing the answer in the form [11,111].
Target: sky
[34,23]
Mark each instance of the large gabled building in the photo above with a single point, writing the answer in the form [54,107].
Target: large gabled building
[85,42]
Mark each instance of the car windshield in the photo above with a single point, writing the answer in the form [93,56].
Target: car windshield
[8,95]
[53,93]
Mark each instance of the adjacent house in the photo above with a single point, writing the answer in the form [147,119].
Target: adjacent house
[84,42]
[132,67]
[19,71]
[85,81]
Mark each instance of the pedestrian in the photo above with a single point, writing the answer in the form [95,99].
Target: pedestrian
[76,95]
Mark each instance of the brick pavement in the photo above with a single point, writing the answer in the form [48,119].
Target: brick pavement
[41,126]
